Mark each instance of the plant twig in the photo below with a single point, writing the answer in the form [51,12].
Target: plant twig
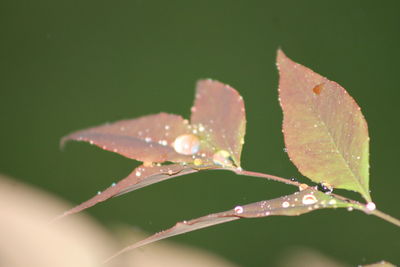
[386,217]
[357,205]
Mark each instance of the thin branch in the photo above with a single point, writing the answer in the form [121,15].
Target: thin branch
[267,176]
[357,205]
[386,217]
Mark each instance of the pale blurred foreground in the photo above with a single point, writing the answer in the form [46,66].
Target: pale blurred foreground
[27,239]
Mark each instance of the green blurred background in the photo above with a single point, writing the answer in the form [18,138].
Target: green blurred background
[68,65]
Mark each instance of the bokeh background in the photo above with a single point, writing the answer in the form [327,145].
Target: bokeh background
[68,65]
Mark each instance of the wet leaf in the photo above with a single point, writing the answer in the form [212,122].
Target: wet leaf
[142,176]
[148,138]
[380,264]
[213,140]
[326,135]
[219,109]
[291,205]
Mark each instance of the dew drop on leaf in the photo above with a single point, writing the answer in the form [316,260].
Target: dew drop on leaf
[187,144]
[309,199]
[303,187]
[325,188]
[238,209]
[332,202]
[197,162]
[285,204]
[222,158]
[371,206]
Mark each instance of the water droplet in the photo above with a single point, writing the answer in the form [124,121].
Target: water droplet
[201,128]
[163,142]
[170,172]
[98,192]
[187,144]
[197,162]
[293,179]
[147,139]
[350,208]
[303,186]
[309,199]
[167,127]
[371,206]
[332,202]
[138,173]
[113,184]
[285,149]
[267,213]
[325,188]
[285,204]
[91,142]
[238,209]
[222,158]
[193,109]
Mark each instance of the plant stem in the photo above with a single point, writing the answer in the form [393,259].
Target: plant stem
[267,176]
[357,205]
[386,217]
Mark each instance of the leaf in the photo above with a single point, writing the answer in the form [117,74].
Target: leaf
[142,176]
[219,109]
[326,135]
[146,139]
[291,205]
[380,264]
[213,140]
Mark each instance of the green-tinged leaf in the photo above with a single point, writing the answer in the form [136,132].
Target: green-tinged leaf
[292,205]
[219,111]
[326,135]
[380,264]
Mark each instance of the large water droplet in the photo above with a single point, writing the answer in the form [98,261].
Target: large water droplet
[222,158]
[239,209]
[187,144]
[371,206]
[309,199]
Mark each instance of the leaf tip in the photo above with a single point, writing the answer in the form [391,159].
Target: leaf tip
[280,56]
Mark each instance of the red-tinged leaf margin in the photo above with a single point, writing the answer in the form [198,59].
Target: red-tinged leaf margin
[147,138]
[291,205]
[326,135]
